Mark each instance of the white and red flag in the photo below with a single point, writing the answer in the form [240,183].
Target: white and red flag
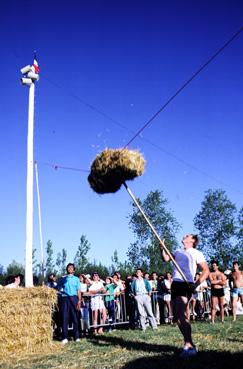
[35,65]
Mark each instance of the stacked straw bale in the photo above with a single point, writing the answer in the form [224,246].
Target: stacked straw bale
[26,321]
[113,167]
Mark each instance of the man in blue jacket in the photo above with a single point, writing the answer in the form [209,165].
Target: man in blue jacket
[70,288]
[141,290]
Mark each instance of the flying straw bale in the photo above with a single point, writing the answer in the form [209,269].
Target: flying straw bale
[113,167]
[26,321]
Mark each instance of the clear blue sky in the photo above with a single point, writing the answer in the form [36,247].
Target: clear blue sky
[124,58]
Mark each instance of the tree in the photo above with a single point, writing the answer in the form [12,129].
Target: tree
[144,252]
[101,269]
[15,268]
[49,259]
[80,259]
[123,267]
[61,261]
[239,237]
[36,266]
[217,227]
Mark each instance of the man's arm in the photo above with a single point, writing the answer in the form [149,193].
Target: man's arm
[164,256]
[204,274]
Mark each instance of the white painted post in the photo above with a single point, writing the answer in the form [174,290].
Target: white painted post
[29,190]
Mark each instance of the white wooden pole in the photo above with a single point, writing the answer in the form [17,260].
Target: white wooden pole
[29,191]
[40,221]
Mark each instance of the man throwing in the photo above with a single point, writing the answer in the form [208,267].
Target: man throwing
[188,258]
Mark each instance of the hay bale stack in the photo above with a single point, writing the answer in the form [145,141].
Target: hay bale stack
[113,167]
[26,321]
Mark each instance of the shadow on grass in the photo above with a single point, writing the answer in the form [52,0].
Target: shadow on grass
[203,360]
[168,356]
[132,345]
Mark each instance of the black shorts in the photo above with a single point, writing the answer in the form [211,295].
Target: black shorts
[217,292]
[180,289]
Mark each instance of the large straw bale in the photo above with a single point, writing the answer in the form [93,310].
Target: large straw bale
[26,321]
[113,167]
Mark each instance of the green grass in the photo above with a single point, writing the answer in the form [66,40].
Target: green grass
[220,346]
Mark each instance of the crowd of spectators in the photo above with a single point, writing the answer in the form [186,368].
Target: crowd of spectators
[92,303]
[144,299]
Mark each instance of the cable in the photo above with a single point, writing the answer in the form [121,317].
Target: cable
[184,85]
[57,166]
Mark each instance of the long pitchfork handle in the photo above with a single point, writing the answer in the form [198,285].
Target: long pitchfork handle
[155,233]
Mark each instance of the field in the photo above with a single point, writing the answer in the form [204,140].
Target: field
[219,346]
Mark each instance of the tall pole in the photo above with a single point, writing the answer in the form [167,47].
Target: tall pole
[29,191]
[30,76]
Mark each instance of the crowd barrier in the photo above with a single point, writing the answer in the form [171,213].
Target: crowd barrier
[102,310]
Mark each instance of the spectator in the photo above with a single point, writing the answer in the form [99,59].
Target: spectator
[110,299]
[155,303]
[69,285]
[120,288]
[167,297]
[84,310]
[218,281]
[14,281]
[52,280]
[97,303]
[237,292]
[141,289]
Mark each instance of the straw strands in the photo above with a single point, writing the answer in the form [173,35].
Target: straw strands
[26,321]
[113,167]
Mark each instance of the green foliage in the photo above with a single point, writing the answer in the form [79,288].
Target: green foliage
[217,227]
[80,259]
[144,252]
[123,267]
[37,268]
[49,258]
[15,268]
[61,262]
[239,237]
[101,269]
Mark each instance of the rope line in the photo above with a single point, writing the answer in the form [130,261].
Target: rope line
[184,85]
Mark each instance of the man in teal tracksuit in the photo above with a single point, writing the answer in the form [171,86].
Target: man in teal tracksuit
[141,290]
[70,289]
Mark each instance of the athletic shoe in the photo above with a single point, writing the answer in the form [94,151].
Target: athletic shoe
[64,341]
[188,351]
[77,340]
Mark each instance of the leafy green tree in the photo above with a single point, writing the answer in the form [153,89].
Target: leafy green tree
[61,261]
[216,224]
[49,268]
[144,252]
[101,269]
[80,259]
[15,268]
[123,267]
[239,236]
[36,266]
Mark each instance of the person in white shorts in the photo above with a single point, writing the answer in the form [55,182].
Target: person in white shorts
[97,302]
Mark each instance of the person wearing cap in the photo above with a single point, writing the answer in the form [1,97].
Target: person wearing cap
[69,286]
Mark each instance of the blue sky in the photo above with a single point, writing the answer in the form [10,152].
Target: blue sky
[123,60]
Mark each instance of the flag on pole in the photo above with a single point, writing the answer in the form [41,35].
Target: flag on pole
[35,65]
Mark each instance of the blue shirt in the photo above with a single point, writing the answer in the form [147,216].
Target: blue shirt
[69,285]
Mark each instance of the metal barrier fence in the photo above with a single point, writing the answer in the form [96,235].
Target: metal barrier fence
[102,310]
